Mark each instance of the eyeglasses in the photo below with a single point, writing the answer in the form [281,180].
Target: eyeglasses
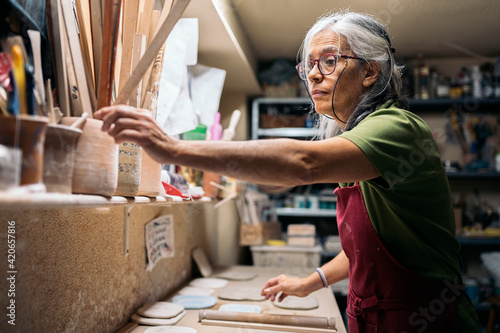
[326,64]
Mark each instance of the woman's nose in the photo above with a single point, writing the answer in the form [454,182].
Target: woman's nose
[315,74]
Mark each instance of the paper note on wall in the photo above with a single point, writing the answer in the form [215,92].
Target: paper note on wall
[159,235]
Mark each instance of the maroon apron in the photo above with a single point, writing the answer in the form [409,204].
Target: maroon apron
[383,295]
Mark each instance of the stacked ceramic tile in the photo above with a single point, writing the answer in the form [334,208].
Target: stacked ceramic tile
[159,313]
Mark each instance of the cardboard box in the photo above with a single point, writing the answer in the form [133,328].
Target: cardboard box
[286,256]
[258,234]
[301,235]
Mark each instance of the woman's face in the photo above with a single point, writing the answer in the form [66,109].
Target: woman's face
[349,87]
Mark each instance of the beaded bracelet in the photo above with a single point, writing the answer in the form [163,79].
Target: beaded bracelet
[322,276]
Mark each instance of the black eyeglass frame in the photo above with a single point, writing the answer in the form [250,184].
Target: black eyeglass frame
[301,69]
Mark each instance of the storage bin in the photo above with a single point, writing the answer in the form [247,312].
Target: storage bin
[286,256]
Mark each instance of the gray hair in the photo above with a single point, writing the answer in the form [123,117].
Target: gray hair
[367,39]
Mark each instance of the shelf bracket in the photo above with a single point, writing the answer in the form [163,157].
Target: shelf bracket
[126,228]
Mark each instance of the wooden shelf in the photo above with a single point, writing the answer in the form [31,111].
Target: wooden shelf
[473,175]
[290,132]
[468,104]
[478,240]
[58,200]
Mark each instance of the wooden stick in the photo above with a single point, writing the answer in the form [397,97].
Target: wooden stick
[266,327]
[268,318]
[35,41]
[96,25]
[130,11]
[76,55]
[156,44]
[147,100]
[54,24]
[50,103]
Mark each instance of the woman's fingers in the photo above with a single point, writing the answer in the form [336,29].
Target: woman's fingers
[111,114]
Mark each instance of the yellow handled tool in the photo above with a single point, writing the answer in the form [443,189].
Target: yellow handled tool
[20,76]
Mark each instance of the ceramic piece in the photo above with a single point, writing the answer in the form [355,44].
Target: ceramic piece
[194,302]
[297,303]
[157,321]
[160,310]
[208,283]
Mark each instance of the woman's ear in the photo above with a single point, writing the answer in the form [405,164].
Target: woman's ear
[371,71]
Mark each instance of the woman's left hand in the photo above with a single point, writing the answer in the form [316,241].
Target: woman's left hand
[287,286]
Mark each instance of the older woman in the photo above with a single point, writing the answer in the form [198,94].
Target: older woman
[395,214]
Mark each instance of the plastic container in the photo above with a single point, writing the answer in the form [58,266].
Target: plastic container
[286,256]
[199,133]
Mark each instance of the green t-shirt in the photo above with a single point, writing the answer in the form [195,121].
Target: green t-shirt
[410,205]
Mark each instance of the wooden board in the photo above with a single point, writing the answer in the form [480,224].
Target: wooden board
[54,24]
[76,55]
[145,22]
[173,16]
[130,11]
[76,109]
[155,17]
[96,28]
[35,41]
[109,38]
[83,15]
[139,48]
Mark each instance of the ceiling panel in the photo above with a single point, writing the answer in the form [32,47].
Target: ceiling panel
[443,28]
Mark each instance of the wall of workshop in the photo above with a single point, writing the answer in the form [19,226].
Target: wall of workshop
[73,275]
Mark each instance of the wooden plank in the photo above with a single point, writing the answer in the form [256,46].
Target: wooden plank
[54,24]
[109,34]
[76,55]
[85,30]
[116,51]
[139,48]
[83,12]
[35,41]
[153,28]
[130,12]
[173,16]
[96,25]
[152,32]
[74,93]
[146,17]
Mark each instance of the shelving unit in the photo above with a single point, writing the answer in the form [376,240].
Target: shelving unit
[58,200]
[299,104]
[305,212]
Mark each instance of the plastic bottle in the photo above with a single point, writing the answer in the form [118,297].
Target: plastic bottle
[496,79]
[216,128]
[488,85]
[466,83]
[497,161]
[476,82]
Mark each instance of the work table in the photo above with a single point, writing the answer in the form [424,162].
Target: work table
[327,305]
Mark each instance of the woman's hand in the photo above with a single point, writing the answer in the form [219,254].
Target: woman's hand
[287,286]
[126,123]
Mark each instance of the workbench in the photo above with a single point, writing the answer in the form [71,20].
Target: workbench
[327,304]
